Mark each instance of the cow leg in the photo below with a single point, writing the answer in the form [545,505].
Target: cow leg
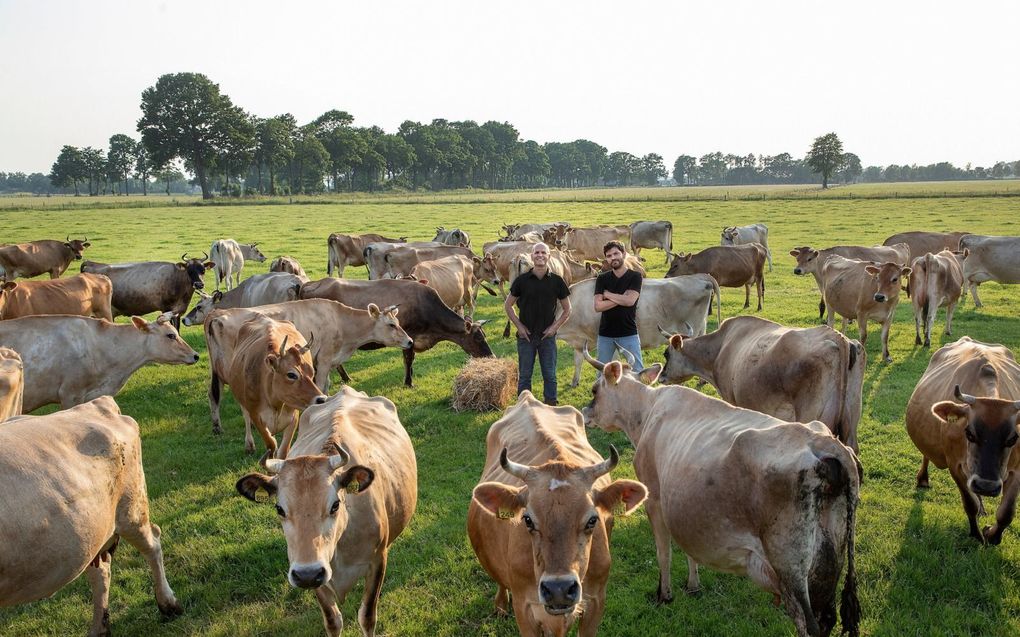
[526,623]
[917,329]
[973,293]
[760,288]
[331,616]
[821,309]
[949,318]
[368,613]
[288,436]
[145,537]
[663,551]
[506,330]
[885,336]
[1004,514]
[693,586]
[344,376]
[970,505]
[214,404]
[798,607]
[747,295]
[578,362]
[862,324]
[408,366]
[594,608]
[267,438]
[922,474]
[98,573]
[502,600]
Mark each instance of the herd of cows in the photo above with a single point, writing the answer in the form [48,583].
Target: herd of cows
[541,517]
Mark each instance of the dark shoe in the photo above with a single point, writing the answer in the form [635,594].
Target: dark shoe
[552,403]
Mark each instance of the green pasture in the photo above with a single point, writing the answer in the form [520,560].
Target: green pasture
[919,573]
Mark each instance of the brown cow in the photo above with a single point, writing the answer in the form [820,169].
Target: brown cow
[963,416]
[349,249]
[731,266]
[375,254]
[31,259]
[12,383]
[810,260]
[74,487]
[862,290]
[401,260]
[348,490]
[496,259]
[587,243]
[555,565]
[936,280]
[289,264]
[80,295]
[740,492]
[740,235]
[920,243]
[270,373]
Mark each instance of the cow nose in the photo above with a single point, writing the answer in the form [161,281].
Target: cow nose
[312,576]
[880,298]
[798,271]
[989,488]
[560,594]
[321,398]
[194,357]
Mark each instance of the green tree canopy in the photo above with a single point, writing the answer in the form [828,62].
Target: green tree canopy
[825,156]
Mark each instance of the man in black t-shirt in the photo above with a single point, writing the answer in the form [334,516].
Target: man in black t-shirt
[616,297]
[536,292]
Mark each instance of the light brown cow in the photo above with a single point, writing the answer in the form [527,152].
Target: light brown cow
[454,278]
[963,416]
[72,359]
[740,235]
[810,260]
[31,259]
[731,266]
[651,234]
[400,261]
[12,383]
[349,249]
[862,290]
[936,280]
[920,243]
[551,233]
[80,295]
[989,258]
[348,490]
[795,374]
[228,257]
[289,264]
[454,237]
[554,565]
[587,243]
[261,289]
[75,487]
[375,255]
[269,370]
[496,259]
[740,492]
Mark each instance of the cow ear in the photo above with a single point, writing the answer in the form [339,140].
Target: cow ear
[356,479]
[676,341]
[217,296]
[649,375]
[256,487]
[140,323]
[10,285]
[180,266]
[209,265]
[794,253]
[613,371]
[872,270]
[501,500]
[86,244]
[949,412]
[905,272]
[621,497]
[476,260]
[373,310]
[272,361]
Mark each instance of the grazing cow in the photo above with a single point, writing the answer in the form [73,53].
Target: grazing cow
[375,254]
[153,286]
[12,383]
[349,249]
[72,359]
[740,492]
[920,243]
[289,264]
[27,260]
[989,258]
[400,261]
[679,304]
[80,295]
[862,290]
[347,491]
[551,233]
[454,278]
[455,237]
[555,565]
[795,374]
[270,381]
[936,280]
[261,289]
[423,315]
[731,266]
[963,416]
[810,260]
[651,234]
[228,257]
[587,243]
[742,235]
[75,487]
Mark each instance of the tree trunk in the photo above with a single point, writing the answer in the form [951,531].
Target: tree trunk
[203,180]
[258,167]
[272,181]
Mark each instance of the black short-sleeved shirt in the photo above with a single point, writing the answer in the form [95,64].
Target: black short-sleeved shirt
[537,299]
[618,321]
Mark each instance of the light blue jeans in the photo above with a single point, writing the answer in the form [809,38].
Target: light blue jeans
[607,347]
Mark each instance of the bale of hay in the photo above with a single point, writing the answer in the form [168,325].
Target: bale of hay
[484,384]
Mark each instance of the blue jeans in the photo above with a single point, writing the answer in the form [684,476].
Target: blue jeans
[607,347]
[545,348]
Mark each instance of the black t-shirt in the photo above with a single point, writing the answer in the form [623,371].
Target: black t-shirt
[618,321]
[537,299]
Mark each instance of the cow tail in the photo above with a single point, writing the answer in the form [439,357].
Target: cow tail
[718,301]
[850,608]
[329,258]
[929,288]
[670,226]
[847,356]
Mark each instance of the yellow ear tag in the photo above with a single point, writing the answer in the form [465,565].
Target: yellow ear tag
[353,486]
[506,514]
[261,495]
[620,508]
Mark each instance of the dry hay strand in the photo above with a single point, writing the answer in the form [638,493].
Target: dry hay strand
[485,384]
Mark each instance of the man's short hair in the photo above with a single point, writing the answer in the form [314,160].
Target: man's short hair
[539,245]
[614,244]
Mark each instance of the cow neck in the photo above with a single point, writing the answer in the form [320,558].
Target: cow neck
[131,353]
[633,417]
[357,326]
[701,353]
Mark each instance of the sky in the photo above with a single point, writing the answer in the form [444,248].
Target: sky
[900,82]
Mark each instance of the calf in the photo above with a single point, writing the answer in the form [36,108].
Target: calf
[455,237]
[936,280]
[989,259]
[228,257]
[12,383]
[731,266]
[81,295]
[743,235]
[31,259]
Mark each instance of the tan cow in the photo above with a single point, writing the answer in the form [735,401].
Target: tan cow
[741,235]
[454,278]
[731,266]
[400,261]
[587,243]
[346,492]
[75,487]
[989,258]
[26,260]
[349,249]
[81,295]
[963,416]
[540,524]
[12,383]
[795,374]
[261,289]
[740,492]
[291,265]
[862,290]
[269,370]
[228,257]
[551,233]
[651,234]
[920,243]
[810,261]
[375,254]
[936,280]
[496,259]
[70,360]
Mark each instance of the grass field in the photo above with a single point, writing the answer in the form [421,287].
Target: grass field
[919,573]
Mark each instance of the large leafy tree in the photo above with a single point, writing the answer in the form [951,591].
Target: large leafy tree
[652,169]
[684,169]
[68,170]
[274,146]
[95,168]
[185,116]
[143,166]
[121,158]
[825,156]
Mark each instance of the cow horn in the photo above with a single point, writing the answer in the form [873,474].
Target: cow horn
[516,470]
[184,257]
[68,238]
[86,238]
[273,465]
[339,459]
[390,308]
[690,329]
[595,363]
[205,256]
[962,397]
[283,346]
[664,332]
[604,467]
[308,345]
[631,360]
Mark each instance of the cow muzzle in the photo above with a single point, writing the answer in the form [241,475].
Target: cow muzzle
[559,595]
[321,398]
[881,298]
[307,575]
[198,285]
[798,271]
[987,488]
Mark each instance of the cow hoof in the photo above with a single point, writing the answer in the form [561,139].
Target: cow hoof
[917,340]
[169,611]
[886,359]
[661,600]
[927,343]
[991,538]
[923,484]
[249,449]
[693,592]
[217,430]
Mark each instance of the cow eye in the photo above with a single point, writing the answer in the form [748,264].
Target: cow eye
[280,512]
[528,522]
[592,521]
[171,336]
[292,375]
[971,436]
[895,279]
[336,507]
[1012,439]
